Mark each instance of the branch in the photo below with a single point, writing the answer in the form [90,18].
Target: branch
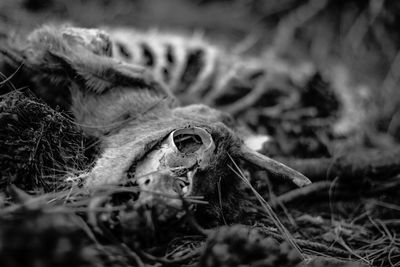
[361,164]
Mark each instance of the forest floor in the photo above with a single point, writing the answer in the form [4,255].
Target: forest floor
[348,216]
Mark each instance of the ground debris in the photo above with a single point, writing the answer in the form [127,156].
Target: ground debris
[39,145]
[240,245]
[375,164]
[33,238]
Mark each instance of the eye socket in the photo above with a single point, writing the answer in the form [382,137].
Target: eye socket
[192,140]
[187,143]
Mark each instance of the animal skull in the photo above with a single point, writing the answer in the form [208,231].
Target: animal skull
[166,174]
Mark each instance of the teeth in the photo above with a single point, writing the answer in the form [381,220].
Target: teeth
[181,185]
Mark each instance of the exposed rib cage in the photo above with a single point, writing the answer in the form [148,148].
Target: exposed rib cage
[196,70]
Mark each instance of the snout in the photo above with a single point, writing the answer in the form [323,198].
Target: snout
[162,192]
